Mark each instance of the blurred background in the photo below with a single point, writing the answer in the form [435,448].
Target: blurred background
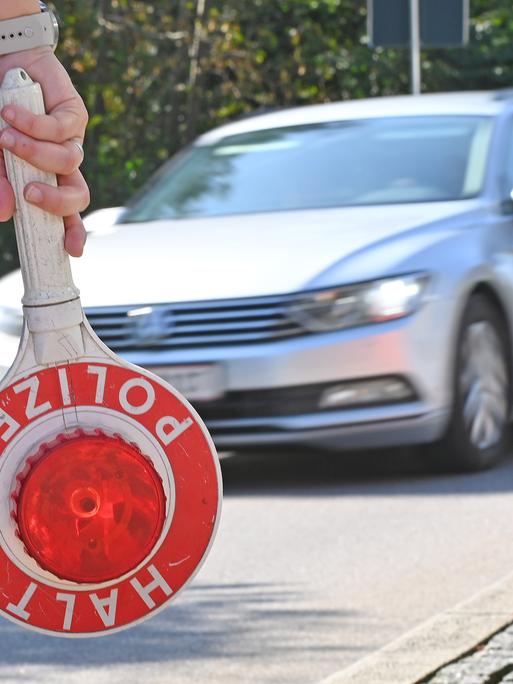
[156,74]
[337,276]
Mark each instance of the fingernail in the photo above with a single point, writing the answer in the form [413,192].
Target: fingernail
[34,195]
[7,140]
[8,114]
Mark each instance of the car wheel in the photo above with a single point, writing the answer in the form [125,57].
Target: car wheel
[478,431]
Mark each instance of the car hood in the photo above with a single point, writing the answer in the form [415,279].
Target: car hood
[234,256]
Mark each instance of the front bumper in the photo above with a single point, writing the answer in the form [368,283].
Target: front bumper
[417,348]
[336,430]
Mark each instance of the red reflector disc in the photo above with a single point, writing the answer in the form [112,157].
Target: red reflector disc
[91,508]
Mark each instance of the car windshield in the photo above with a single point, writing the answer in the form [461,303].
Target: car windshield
[346,163]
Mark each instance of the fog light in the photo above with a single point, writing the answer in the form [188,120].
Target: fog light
[361,392]
[90,508]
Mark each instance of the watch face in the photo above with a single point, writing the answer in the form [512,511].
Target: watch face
[55,25]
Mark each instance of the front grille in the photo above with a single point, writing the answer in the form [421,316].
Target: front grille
[194,324]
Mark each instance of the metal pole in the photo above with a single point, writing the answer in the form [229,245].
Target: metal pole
[416,82]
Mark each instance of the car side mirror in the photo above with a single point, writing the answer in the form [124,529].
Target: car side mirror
[507,204]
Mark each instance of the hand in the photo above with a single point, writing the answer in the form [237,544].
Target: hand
[46,141]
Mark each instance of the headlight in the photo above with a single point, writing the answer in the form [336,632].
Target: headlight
[11,321]
[373,302]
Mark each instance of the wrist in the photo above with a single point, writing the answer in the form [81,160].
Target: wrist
[29,60]
[18,8]
[28,31]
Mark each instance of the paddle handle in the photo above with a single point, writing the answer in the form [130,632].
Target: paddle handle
[45,265]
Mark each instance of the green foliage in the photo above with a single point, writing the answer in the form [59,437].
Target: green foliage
[155,74]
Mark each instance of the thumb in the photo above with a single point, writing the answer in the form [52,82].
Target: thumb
[7,203]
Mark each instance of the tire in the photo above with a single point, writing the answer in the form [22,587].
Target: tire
[478,431]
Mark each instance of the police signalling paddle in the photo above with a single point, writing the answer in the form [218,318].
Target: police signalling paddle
[110,487]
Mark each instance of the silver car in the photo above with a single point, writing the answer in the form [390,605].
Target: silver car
[336,275]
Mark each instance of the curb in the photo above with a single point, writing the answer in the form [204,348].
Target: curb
[436,642]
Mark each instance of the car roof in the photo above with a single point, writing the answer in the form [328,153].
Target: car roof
[472,103]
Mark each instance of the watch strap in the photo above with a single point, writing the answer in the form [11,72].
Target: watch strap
[25,33]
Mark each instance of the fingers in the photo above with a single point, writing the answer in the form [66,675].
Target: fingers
[61,159]
[66,200]
[7,202]
[70,197]
[45,141]
[68,120]
[75,236]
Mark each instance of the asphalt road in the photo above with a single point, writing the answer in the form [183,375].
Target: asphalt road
[319,560]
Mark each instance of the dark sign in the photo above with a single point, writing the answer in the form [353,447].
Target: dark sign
[442,22]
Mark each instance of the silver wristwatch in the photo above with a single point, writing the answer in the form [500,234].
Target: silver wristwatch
[29,31]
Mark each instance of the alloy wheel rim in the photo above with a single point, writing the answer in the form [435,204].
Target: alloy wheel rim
[484,385]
